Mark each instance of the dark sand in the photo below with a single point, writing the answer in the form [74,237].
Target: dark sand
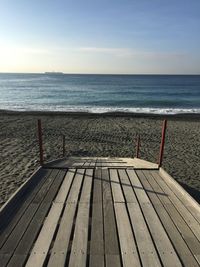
[97,135]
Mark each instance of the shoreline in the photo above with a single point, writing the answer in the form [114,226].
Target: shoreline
[181,116]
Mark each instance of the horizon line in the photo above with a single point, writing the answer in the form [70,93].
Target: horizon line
[77,73]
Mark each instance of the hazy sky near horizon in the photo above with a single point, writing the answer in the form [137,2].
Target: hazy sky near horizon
[107,36]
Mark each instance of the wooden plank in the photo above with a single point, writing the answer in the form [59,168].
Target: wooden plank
[60,199]
[117,164]
[184,196]
[127,243]
[113,260]
[98,164]
[44,189]
[110,232]
[184,253]
[24,245]
[97,189]
[63,192]
[165,249]
[97,239]
[145,244]
[4,259]
[30,233]
[19,230]
[142,164]
[181,247]
[17,260]
[185,213]
[12,217]
[127,187]
[75,189]
[78,254]
[185,231]
[87,163]
[43,242]
[87,186]
[163,244]
[107,195]
[78,164]
[116,187]
[93,163]
[96,261]
[53,190]
[105,164]
[60,163]
[61,244]
[23,192]
[139,191]
[79,245]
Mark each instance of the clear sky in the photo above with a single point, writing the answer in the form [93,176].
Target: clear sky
[100,36]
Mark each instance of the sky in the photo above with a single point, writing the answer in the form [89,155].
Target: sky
[107,36]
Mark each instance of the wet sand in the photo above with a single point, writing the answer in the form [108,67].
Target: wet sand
[97,135]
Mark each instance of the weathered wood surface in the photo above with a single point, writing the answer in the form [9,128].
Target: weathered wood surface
[14,211]
[110,229]
[177,239]
[84,162]
[100,212]
[163,244]
[177,216]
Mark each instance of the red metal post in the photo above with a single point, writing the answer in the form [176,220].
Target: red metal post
[63,145]
[162,143]
[138,147]
[40,142]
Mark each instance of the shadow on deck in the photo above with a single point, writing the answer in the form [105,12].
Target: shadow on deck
[100,212]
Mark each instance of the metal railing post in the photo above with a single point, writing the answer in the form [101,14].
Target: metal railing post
[40,142]
[63,145]
[162,144]
[138,147]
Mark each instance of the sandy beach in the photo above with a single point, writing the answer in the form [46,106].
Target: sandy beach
[97,135]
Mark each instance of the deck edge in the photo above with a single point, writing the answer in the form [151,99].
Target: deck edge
[17,193]
[48,164]
[191,200]
[145,164]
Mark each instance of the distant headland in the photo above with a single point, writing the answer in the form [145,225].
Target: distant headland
[54,73]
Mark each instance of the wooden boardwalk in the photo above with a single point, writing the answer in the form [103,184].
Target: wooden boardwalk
[100,212]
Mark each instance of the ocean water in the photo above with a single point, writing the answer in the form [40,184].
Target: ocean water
[163,94]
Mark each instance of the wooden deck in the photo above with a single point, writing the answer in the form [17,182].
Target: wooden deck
[100,212]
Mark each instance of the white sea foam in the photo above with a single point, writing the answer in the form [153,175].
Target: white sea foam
[99,110]
[100,94]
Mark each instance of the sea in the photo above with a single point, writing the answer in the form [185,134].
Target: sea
[153,94]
